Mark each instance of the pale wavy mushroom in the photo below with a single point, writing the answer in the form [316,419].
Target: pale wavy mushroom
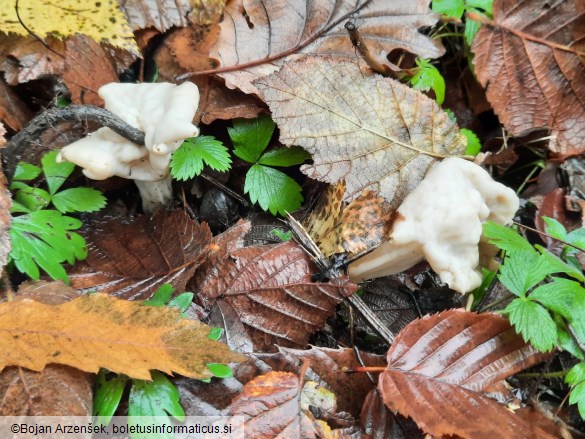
[441,220]
[164,112]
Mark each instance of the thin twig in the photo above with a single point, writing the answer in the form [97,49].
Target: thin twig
[360,45]
[532,229]
[32,34]
[226,189]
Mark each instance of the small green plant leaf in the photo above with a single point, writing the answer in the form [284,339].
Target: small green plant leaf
[555,265]
[160,297]
[79,199]
[189,160]
[471,27]
[32,198]
[107,396]
[533,322]
[577,238]
[182,301]
[251,137]
[45,239]
[215,334]
[55,173]
[521,271]
[576,378]
[153,401]
[505,238]
[295,155]
[566,341]
[559,296]
[428,77]
[273,190]
[485,5]
[220,370]
[283,236]
[554,228]
[473,143]
[449,8]
[26,172]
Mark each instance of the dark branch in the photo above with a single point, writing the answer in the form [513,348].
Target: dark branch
[16,148]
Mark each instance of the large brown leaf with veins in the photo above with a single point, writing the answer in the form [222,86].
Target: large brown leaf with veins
[532,62]
[257,35]
[270,290]
[132,259]
[439,366]
[374,132]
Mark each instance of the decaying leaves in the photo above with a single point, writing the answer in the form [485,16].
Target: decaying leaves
[532,65]
[440,365]
[374,132]
[97,330]
[132,259]
[276,405]
[263,33]
[13,112]
[57,389]
[270,289]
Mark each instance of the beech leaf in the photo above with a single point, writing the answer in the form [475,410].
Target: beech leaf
[97,330]
[439,367]
[531,61]
[374,132]
[258,35]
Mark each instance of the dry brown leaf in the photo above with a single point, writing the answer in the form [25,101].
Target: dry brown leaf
[439,366]
[270,289]
[260,34]
[97,330]
[276,405]
[374,132]
[532,65]
[165,14]
[132,259]
[13,112]
[87,68]
[57,389]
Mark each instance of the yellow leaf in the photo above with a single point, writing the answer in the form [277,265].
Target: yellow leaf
[98,330]
[101,20]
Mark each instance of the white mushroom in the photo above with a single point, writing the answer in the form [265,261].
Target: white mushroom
[164,112]
[441,220]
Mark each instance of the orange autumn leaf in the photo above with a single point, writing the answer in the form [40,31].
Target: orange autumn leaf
[97,330]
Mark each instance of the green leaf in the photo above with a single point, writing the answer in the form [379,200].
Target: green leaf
[251,137]
[295,155]
[449,8]
[79,199]
[428,77]
[32,198]
[566,340]
[577,238]
[26,172]
[215,334]
[189,159]
[19,208]
[559,296]
[479,293]
[44,239]
[273,190]
[485,5]
[555,265]
[108,395]
[283,236]
[160,297]
[471,27]
[505,238]
[55,173]
[554,228]
[182,301]
[473,143]
[521,271]
[534,323]
[220,370]
[153,401]
[576,378]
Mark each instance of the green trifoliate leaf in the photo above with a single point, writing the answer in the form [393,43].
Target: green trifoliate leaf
[107,396]
[160,297]
[521,271]
[273,190]
[428,77]
[449,8]
[505,238]
[32,198]
[45,239]
[189,160]
[26,172]
[154,401]
[79,199]
[55,173]
[576,378]
[473,143]
[559,296]
[295,155]
[251,137]
[220,370]
[554,228]
[533,322]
